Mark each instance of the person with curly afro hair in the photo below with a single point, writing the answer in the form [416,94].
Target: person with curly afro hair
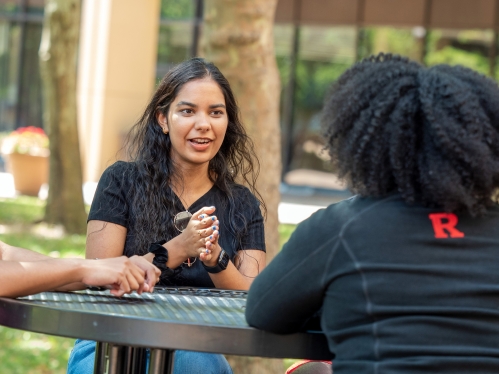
[402,276]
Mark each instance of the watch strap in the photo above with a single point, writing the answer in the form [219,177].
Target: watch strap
[222,262]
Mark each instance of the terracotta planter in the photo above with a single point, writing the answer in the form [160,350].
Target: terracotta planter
[29,172]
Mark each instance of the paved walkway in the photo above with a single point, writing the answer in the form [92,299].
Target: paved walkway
[299,199]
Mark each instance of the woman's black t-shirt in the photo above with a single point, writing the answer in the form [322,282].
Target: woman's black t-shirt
[111,204]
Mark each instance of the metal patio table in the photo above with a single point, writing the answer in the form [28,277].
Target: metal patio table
[204,320]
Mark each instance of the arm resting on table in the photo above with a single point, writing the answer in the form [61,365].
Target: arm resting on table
[290,290]
[23,272]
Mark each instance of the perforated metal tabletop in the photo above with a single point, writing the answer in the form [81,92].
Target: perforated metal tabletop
[205,320]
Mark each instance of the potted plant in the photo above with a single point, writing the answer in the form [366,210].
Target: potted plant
[27,154]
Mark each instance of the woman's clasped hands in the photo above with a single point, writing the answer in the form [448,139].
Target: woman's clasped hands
[201,234]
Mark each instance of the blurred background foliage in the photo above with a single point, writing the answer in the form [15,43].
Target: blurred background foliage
[178,9]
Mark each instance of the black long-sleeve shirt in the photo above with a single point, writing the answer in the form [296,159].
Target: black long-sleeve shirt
[403,289]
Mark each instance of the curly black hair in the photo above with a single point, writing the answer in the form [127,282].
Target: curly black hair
[430,134]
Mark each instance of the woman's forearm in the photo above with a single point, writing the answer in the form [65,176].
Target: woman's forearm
[24,278]
[23,272]
[231,279]
[11,253]
[240,276]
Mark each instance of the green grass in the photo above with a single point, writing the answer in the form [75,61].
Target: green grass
[67,246]
[21,351]
[22,210]
[285,231]
[31,353]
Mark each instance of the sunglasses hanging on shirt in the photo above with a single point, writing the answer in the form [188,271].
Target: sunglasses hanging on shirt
[181,220]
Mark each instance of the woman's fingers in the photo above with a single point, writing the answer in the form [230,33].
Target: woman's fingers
[116,290]
[205,256]
[204,233]
[121,287]
[207,223]
[203,225]
[130,278]
[213,238]
[206,220]
[135,280]
[203,211]
[151,272]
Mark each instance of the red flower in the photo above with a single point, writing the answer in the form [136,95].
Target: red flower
[29,140]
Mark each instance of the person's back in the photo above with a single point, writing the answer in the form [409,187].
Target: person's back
[406,276]
[410,290]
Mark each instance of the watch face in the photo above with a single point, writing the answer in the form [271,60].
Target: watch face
[223,260]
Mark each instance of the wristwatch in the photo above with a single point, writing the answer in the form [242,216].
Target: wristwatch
[222,262]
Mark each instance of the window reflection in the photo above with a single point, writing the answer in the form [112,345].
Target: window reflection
[30,98]
[9,6]
[9,71]
[470,48]
[174,46]
[324,54]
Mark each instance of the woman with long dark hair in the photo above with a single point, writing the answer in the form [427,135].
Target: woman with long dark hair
[188,155]
[404,274]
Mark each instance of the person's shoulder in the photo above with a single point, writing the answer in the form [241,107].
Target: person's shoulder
[240,189]
[340,212]
[118,175]
[120,169]
[359,209]
[121,166]
[243,194]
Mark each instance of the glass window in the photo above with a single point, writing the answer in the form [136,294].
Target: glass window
[9,72]
[470,48]
[176,33]
[283,45]
[20,84]
[36,7]
[175,41]
[403,41]
[9,6]
[324,54]
[30,100]
[177,9]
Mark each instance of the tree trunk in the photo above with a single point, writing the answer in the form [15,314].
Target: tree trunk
[58,51]
[238,38]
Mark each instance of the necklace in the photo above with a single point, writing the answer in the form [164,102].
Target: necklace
[180,221]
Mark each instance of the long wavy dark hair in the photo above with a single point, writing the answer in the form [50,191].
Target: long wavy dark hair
[151,199]
[431,134]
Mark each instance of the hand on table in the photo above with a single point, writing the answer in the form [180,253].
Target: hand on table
[121,274]
[152,273]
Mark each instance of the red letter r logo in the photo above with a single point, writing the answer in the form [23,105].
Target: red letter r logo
[445,222]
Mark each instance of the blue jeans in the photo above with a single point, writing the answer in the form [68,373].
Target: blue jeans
[81,361]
